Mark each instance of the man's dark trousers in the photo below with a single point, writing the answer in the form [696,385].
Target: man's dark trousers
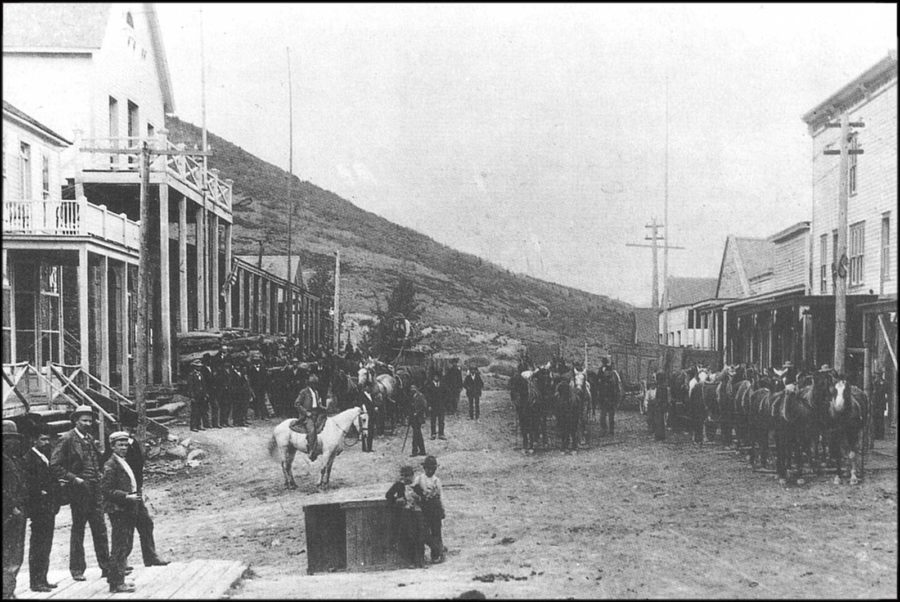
[122,541]
[474,403]
[437,418]
[40,544]
[87,508]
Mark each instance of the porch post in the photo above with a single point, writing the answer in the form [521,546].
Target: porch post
[241,276]
[124,329]
[214,272]
[165,301]
[200,247]
[183,325]
[83,321]
[104,320]
[228,268]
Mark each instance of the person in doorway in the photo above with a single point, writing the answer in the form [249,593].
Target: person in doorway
[473,384]
[120,501]
[435,397]
[14,499]
[311,411]
[41,507]
[428,486]
[76,460]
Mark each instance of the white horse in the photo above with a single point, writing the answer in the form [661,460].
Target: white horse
[330,443]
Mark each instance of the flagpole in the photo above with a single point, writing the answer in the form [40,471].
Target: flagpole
[290,288]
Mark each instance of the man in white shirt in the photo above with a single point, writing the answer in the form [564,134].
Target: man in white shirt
[120,501]
[311,411]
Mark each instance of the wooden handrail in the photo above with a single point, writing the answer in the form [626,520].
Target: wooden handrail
[84,396]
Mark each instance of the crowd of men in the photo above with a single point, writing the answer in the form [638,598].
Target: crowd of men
[74,471]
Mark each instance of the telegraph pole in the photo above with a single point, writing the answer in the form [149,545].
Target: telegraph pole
[653,238]
[290,279]
[337,302]
[666,226]
[842,263]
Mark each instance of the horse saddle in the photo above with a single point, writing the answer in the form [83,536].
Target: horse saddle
[299,426]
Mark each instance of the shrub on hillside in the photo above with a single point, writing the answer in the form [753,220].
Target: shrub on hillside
[478,361]
[502,368]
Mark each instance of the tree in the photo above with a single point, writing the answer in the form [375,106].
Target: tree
[321,284]
[385,339]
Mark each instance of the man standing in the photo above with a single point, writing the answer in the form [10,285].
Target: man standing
[367,402]
[198,384]
[435,397]
[473,386]
[416,420]
[454,383]
[41,508]
[120,501]
[879,403]
[258,376]
[135,458]
[76,460]
[14,496]
[311,411]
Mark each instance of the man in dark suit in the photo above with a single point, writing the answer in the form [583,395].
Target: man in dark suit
[258,375]
[418,407]
[120,501]
[366,400]
[41,507]
[311,411]
[135,458]
[76,460]
[435,396]
[453,385]
[14,498]
[473,384]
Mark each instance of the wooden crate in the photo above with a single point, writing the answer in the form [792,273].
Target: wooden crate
[358,535]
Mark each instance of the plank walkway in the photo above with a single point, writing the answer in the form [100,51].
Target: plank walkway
[201,579]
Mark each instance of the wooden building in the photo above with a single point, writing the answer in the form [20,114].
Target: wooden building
[683,294]
[75,97]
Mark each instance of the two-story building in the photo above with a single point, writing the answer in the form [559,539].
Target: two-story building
[871,263]
[684,330]
[81,100]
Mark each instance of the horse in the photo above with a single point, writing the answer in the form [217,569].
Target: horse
[610,392]
[848,408]
[527,394]
[793,416]
[330,441]
[725,389]
[679,390]
[568,403]
[344,390]
[390,389]
[759,424]
[702,408]
[582,386]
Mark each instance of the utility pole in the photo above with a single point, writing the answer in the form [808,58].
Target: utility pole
[666,226]
[654,237]
[143,292]
[290,279]
[337,302]
[842,264]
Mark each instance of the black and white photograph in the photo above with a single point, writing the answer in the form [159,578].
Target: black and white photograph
[449,301]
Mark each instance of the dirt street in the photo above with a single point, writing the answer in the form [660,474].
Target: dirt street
[627,518]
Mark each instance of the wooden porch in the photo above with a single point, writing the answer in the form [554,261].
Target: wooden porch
[198,579]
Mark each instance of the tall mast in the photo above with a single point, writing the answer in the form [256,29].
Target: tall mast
[666,230]
[290,290]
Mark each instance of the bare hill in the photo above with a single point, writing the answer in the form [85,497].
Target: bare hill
[461,292]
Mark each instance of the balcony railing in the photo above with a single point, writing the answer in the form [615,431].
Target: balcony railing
[69,218]
[185,168]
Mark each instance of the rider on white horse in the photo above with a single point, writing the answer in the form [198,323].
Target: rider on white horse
[311,409]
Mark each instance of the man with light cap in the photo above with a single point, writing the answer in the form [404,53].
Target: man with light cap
[311,411]
[76,460]
[14,497]
[120,502]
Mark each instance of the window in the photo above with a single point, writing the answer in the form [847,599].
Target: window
[857,252]
[851,175]
[113,128]
[134,132]
[885,248]
[45,177]
[678,338]
[25,169]
[823,264]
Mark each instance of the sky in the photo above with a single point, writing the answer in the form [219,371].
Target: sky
[532,135]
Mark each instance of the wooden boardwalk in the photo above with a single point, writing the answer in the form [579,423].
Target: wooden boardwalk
[183,580]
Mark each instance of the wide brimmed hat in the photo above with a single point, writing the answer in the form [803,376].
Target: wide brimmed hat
[825,368]
[429,461]
[788,364]
[82,409]
[118,436]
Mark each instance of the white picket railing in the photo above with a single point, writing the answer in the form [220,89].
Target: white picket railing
[69,218]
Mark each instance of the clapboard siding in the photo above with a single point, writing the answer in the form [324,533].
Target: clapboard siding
[790,261]
[730,286]
[876,188]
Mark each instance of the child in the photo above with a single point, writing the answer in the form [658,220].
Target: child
[404,497]
[429,487]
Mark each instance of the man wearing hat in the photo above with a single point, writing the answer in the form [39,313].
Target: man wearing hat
[428,486]
[788,375]
[14,498]
[366,401]
[76,460]
[120,500]
[473,384]
[435,396]
[41,508]
[454,383]
[258,376]
[311,410]
[198,383]
[879,402]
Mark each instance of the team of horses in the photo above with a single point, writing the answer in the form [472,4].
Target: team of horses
[573,398]
[820,418]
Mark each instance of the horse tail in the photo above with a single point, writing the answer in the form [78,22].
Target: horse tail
[273,447]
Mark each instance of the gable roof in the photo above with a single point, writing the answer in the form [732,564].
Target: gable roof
[687,291]
[757,255]
[277,265]
[75,28]
[646,323]
[34,124]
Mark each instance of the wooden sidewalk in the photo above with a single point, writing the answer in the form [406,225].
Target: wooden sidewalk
[203,579]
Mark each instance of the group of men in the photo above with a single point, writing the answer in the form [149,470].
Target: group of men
[74,471]
[223,389]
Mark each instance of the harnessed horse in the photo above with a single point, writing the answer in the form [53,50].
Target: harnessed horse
[609,394]
[527,395]
[847,411]
[331,442]
[569,402]
[344,390]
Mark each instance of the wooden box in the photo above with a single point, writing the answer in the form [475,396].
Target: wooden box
[359,535]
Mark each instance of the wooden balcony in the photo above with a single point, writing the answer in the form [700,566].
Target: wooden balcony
[103,155]
[69,218]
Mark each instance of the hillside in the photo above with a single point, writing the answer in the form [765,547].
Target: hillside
[458,290]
